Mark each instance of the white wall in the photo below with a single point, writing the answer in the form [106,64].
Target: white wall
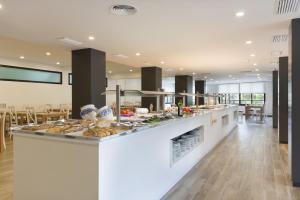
[22,93]
[168,84]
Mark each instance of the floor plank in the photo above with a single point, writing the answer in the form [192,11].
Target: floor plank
[248,164]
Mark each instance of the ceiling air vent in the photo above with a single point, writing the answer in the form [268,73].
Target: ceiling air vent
[123,10]
[283,7]
[280,38]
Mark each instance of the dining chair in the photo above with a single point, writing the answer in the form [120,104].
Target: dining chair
[2,128]
[13,119]
[48,108]
[31,115]
[65,109]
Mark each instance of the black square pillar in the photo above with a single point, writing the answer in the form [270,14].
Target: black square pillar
[88,79]
[283,99]
[275,99]
[200,87]
[184,83]
[151,81]
[294,99]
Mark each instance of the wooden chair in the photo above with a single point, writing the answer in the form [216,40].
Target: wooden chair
[65,109]
[31,115]
[3,120]
[13,119]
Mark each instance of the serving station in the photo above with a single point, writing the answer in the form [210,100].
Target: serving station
[83,159]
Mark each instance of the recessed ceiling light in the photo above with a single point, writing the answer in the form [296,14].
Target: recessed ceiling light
[181,69]
[162,62]
[252,55]
[22,57]
[254,64]
[131,70]
[193,73]
[258,74]
[48,54]
[138,54]
[248,42]
[109,71]
[239,14]
[91,38]
[256,70]
[211,79]
[58,63]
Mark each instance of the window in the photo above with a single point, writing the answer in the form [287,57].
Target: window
[245,99]
[21,74]
[258,99]
[234,98]
[70,78]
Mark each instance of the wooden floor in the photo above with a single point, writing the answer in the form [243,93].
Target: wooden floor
[248,164]
[6,172]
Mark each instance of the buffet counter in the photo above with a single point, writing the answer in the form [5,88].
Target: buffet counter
[140,163]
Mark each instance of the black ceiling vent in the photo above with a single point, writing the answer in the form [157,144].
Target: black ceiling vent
[123,10]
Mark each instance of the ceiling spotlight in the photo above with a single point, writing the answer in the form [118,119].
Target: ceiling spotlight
[254,64]
[248,42]
[258,74]
[252,55]
[256,70]
[138,54]
[162,62]
[109,71]
[181,69]
[131,70]
[22,57]
[48,54]
[58,63]
[239,14]
[91,38]
[193,73]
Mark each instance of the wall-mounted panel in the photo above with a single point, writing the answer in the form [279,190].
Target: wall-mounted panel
[21,74]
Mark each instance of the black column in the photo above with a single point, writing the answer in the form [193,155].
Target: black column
[275,99]
[184,83]
[151,81]
[88,79]
[200,87]
[283,99]
[294,105]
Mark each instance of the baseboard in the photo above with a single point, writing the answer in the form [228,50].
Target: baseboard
[283,142]
[296,184]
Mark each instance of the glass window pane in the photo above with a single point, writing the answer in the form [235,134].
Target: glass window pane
[29,75]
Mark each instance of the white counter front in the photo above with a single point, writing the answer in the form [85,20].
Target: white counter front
[137,166]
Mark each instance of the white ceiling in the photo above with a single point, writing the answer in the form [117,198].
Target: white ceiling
[189,36]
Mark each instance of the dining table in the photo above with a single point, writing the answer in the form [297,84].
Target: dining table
[250,108]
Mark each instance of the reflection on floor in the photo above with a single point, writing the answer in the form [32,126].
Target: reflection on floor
[248,164]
